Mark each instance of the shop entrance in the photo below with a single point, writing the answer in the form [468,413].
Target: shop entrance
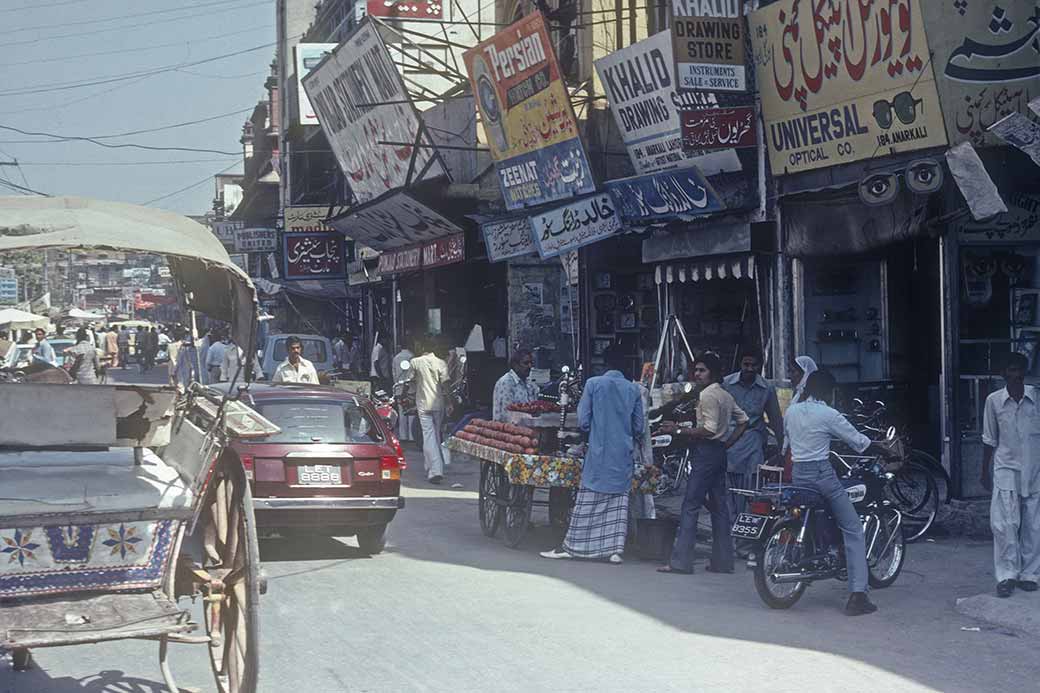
[874,322]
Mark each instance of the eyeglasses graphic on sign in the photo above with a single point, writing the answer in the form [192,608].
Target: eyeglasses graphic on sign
[921,176]
[905,106]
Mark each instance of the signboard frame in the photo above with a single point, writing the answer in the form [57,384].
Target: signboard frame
[302,53]
[718,62]
[596,215]
[508,238]
[703,129]
[678,190]
[291,242]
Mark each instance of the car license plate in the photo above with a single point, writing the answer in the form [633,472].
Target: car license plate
[319,475]
[749,526]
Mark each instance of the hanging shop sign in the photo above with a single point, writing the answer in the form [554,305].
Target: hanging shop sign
[444,251]
[421,9]
[709,54]
[508,238]
[256,240]
[1020,132]
[301,218]
[840,86]
[308,56]
[681,194]
[575,225]
[707,8]
[225,231]
[314,256]
[393,222]
[361,102]
[719,128]
[436,253]
[1021,222]
[640,83]
[986,62]
[527,116]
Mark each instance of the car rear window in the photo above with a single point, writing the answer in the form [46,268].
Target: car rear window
[313,350]
[308,421]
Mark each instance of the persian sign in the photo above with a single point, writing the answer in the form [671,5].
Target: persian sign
[1021,222]
[256,240]
[844,81]
[308,55]
[314,256]
[527,116]
[393,222]
[361,101]
[309,218]
[574,225]
[640,83]
[709,54]
[508,238]
[719,128]
[986,61]
[1020,132]
[684,193]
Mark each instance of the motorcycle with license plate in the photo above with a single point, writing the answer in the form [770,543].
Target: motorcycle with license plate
[672,452]
[796,540]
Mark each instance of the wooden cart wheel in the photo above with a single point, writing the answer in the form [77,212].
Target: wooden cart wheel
[490,508]
[517,511]
[231,609]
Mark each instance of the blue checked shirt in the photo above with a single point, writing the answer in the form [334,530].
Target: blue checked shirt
[511,390]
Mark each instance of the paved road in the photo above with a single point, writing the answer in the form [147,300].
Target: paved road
[445,608]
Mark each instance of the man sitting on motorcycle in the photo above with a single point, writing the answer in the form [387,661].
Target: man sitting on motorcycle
[809,426]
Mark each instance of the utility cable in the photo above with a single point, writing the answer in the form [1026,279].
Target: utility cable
[141,49]
[42,7]
[22,188]
[189,187]
[102,20]
[186,123]
[55,37]
[169,162]
[118,146]
[62,86]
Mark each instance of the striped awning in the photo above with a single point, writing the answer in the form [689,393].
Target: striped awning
[732,267]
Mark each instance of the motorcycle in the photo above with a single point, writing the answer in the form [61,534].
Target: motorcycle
[796,540]
[671,452]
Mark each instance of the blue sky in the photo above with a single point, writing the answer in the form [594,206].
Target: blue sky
[47,46]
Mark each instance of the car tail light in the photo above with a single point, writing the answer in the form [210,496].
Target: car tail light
[391,465]
[247,465]
[760,507]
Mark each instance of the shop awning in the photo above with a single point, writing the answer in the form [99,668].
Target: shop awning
[308,288]
[733,267]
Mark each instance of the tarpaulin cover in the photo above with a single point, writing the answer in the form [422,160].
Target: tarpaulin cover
[197,259]
[836,222]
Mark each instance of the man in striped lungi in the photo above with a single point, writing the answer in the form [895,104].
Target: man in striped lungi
[611,411]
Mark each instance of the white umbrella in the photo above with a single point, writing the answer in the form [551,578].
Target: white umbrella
[15,319]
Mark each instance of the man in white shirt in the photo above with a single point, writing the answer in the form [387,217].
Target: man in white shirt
[295,369]
[215,357]
[810,425]
[1011,424]
[431,374]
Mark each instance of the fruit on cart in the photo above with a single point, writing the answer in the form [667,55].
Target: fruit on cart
[535,408]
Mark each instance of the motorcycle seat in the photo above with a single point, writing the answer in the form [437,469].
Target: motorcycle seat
[796,495]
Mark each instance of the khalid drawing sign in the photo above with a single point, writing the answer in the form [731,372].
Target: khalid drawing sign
[527,116]
[844,81]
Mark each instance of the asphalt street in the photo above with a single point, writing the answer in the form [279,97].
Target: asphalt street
[446,608]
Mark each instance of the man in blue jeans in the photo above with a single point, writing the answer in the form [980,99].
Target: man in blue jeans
[810,425]
[710,439]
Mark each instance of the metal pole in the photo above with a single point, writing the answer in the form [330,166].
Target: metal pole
[393,311]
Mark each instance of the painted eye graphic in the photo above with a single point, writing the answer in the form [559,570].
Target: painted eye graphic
[878,189]
[924,176]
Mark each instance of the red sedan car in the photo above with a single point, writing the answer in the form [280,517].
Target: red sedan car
[335,468]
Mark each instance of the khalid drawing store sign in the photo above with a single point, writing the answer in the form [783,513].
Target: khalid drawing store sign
[527,116]
[841,82]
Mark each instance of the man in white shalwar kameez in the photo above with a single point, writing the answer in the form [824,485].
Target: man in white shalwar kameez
[1011,435]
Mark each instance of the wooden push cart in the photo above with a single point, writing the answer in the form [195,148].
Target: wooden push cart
[119,500]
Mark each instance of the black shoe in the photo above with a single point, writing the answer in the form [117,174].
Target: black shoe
[859,604]
[711,569]
[1027,586]
[1006,587]
[436,479]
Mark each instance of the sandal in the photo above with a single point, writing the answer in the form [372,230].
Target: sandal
[669,570]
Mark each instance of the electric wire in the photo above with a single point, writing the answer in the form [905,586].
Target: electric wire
[55,37]
[102,20]
[23,188]
[169,162]
[62,86]
[118,146]
[188,187]
[42,7]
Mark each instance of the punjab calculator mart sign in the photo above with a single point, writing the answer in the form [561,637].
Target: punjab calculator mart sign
[709,54]
[527,116]
[840,86]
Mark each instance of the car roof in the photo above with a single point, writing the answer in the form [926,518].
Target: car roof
[296,390]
